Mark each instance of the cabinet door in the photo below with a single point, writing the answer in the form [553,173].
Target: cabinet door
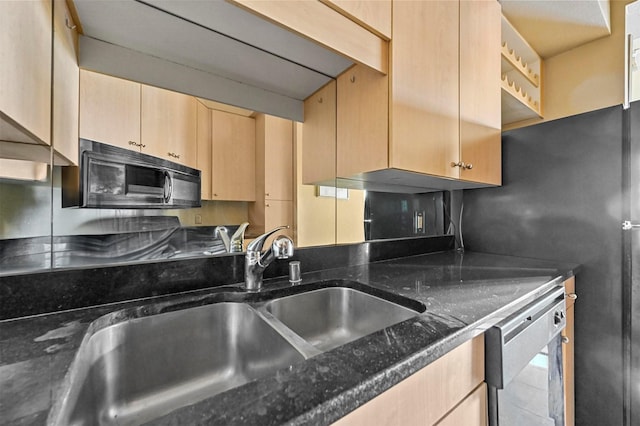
[278,213]
[25,70]
[278,159]
[233,164]
[362,121]
[319,137]
[66,85]
[110,110]
[203,149]
[480,104]
[471,412]
[168,125]
[424,87]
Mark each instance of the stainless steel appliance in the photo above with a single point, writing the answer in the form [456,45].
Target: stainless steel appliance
[113,177]
[524,364]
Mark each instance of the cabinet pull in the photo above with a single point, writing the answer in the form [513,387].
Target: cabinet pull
[458,164]
[267,205]
[142,145]
[352,79]
[67,24]
[173,154]
[468,166]
[320,100]
[572,296]
[565,340]
[266,194]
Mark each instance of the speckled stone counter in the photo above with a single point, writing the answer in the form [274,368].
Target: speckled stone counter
[463,293]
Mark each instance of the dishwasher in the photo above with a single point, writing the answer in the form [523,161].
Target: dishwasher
[524,364]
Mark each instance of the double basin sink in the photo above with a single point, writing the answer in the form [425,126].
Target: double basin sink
[143,368]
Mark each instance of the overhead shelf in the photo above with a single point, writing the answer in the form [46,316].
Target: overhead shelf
[515,62]
[521,77]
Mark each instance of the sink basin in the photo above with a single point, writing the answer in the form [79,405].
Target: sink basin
[330,317]
[140,369]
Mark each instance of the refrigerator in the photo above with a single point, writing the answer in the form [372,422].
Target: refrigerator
[569,185]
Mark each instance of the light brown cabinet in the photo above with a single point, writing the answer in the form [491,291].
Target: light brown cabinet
[274,175]
[435,120]
[373,15]
[66,85]
[233,161]
[568,354]
[25,71]
[143,118]
[472,411]
[430,395]
[319,137]
[203,149]
[110,110]
[168,122]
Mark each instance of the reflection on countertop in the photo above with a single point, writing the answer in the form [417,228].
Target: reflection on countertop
[464,294]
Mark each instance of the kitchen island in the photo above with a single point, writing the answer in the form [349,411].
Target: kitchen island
[464,294]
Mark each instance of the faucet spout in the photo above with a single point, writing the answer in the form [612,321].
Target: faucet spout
[235,243]
[257,261]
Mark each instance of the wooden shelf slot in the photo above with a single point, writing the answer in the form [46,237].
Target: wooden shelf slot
[517,63]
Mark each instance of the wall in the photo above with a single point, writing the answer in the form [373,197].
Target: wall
[588,77]
[561,200]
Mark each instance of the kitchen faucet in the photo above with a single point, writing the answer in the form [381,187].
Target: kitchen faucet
[235,243]
[255,261]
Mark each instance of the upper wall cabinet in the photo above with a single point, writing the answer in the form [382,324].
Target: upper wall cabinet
[168,125]
[26,127]
[521,77]
[233,157]
[25,73]
[436,123]
[110,110]
[66,85]
[143,118]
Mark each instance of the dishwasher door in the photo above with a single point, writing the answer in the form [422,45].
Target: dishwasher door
[524,365]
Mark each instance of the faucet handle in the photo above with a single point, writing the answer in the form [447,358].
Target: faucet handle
[256,245]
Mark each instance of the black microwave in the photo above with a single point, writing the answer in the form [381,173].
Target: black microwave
[112,177]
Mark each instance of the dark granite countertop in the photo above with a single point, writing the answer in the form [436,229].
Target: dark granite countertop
[463,293]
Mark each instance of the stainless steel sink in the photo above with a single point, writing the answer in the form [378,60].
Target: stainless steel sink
[140,369]
[330,317]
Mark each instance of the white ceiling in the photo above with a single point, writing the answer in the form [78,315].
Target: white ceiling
[555,26]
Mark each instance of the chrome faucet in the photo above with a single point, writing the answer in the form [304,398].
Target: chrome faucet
[236,242]
[255,261]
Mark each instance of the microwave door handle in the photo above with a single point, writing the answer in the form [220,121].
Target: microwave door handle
[168,187]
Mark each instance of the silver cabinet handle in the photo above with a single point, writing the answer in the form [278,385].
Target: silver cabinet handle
[458,164]
[468,166]
[173,154]
[565,340]
[572,296]
[628,225]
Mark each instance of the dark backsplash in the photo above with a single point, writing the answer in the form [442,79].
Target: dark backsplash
[63,289]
